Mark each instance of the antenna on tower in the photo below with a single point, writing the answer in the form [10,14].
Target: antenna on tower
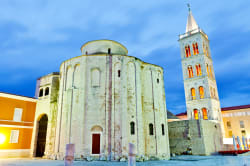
[188,5]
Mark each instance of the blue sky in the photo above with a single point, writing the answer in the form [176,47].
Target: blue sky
[36,36]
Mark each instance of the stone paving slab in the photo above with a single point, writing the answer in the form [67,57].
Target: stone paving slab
[175,161]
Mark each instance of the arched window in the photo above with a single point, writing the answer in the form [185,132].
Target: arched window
[187,51]
[198,70]
[207,70]
[193,93]
[69,77]
[196,114]
[204,112]
[119,73]
[151,129]
[201,90]
[46,91]
[195,48]
[95,78]
[77,76]
[204,49]
[41,93]
[190,72]
[132,128]
[162,129]
[210,71]
[109,50]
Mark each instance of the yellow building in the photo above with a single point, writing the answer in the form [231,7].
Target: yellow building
[236,121]
[16,124]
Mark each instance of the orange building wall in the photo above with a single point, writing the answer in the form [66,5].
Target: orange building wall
[25,127]
[24,139]
[7,107]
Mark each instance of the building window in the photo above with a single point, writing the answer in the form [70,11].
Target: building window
[210,71]
[242,125]
[14,135]
[193,93]
[187,51]
[243,133]
[151,129]
[201,90]
[229,125]
[158,80]
[109,50]
[198,70]
[46,91]
[41,93]
[190,72]
[132,128]
[230,133]
[95,78]
[196,115]
[162,129]
[119,73]
[18,114]
[204,112]
[207,70]
[195,48]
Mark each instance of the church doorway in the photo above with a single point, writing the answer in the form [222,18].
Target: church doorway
[96,138]
[41,135]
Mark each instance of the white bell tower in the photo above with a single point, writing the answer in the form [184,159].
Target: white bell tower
[201,92]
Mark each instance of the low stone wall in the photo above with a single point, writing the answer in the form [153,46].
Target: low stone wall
[195,137]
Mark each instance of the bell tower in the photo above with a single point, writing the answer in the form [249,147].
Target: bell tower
[201,94]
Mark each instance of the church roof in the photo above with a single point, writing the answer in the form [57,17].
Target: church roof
[191,23]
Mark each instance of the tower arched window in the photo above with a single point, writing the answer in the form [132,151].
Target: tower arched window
[132,128]
[187,51]
[207,69]
[195,48]
[198,70]
[193,93]
[41,93]
[46,91]
[210,71]
[196,114]
[151,129]
[190,72]
[204,112]
[162,129]
[201,91]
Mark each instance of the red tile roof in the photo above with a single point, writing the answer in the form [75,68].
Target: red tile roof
[235,107]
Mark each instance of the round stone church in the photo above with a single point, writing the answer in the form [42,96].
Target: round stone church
[101,101]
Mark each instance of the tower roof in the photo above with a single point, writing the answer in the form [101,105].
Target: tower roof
[191,23]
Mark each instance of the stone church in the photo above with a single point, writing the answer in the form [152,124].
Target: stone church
[101,101]
[105,99]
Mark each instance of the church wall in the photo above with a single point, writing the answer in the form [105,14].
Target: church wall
[91,108]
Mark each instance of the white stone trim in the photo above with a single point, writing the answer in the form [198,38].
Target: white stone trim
[13,121]
[14,150]
[13,96]
[17,126]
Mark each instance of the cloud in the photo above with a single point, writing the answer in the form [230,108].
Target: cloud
[43,33]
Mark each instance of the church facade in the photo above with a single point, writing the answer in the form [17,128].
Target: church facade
[101,101]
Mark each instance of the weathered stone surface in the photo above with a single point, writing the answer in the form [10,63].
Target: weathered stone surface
[204,137]
[104,95]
